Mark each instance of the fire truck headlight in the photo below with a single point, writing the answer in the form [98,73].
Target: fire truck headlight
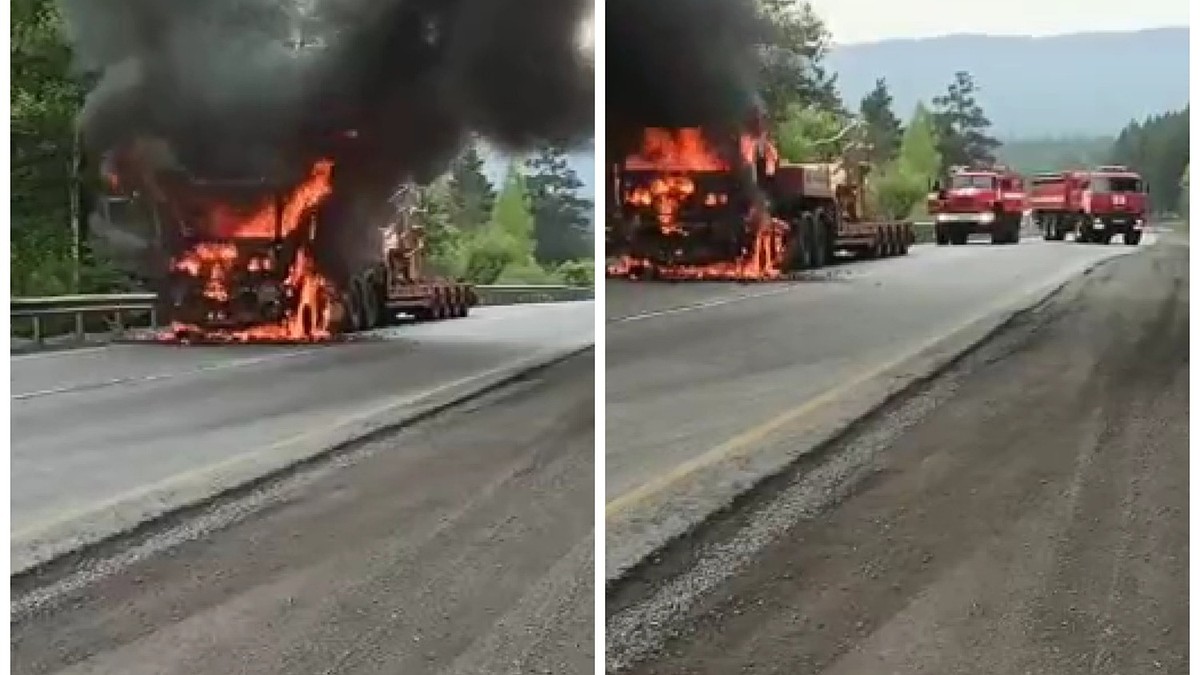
[987,217]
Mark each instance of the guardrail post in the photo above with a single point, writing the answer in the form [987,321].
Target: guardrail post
[118,323]
[37,330]
[153,316]
[80,335]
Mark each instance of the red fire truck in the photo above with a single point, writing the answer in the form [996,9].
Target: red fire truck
[979,200]
[1094,204]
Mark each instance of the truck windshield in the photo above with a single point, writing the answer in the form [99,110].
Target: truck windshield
[1116,184]
[979,182]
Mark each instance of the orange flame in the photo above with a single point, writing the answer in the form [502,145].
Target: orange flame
[318,309]
[672,154]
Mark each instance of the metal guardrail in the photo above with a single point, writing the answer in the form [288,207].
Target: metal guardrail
[116,308]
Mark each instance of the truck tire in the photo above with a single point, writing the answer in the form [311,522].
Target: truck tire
[959,237]
[353,313]
[820,243]
[940,236]
[1133,237]
[369,305]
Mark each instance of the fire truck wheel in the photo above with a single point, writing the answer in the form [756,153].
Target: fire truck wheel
[940,236]
[1133,238]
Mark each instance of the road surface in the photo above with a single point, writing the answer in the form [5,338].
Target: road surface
[91,427]
[461,545]
[693,368]
[1025,512]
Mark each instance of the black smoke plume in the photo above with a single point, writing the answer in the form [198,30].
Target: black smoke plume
[678,63]
[391,92]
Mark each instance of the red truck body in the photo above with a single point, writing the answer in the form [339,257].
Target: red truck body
[988,200]
[1094,204]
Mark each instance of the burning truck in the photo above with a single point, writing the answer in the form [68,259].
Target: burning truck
[691,203]
[244,260]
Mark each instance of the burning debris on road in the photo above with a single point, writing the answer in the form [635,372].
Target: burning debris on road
[262,164]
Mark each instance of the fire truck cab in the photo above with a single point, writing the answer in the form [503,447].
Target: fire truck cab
[979,200]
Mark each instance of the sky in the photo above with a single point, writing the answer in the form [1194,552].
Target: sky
[853,21]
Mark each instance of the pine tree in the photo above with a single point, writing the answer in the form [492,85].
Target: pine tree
[793,69]
[471,197]
[962,125]
[562,218]
[883,128]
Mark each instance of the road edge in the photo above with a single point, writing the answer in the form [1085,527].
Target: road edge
[42,547]
[634,535]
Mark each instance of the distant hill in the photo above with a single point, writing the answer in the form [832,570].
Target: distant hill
[1031,155]
[1085,84]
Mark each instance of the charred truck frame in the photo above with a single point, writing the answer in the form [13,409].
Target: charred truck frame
[241,260]
[684,206]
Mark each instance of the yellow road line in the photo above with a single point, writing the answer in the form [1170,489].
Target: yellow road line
[741,443]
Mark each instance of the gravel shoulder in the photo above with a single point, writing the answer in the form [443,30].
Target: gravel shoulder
[1024,512]
[461,545]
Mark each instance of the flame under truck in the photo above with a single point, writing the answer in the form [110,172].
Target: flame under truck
[676,215]
[1094,205]
[979,200]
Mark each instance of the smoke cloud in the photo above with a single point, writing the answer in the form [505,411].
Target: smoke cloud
[678,63]
[411,80]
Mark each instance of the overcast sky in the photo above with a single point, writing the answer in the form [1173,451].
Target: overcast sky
[872,20]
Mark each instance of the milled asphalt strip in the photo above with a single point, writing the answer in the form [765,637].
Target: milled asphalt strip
[40,544]
[646,518]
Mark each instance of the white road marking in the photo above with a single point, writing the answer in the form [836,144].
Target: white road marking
[72,388]
[699,306]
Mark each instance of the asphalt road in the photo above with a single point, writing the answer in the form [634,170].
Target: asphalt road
[694,367]
[461,545]
[91,426]
[1024,512]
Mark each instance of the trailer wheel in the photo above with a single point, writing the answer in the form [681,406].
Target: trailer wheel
[905,239]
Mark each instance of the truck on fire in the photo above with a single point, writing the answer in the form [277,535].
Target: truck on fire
[689,204]
[979,200]
[241,260]
[1094,205]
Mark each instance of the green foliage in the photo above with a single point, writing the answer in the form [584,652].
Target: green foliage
[919,153]
[512,215]
[562,218]
[1158,149]
[578,272]
[896,191]
[502,250]
[900,186]
[883,128]
[792,70]
[1184,186]
[44,103]
[804,134]
[962,125]
[472,198]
